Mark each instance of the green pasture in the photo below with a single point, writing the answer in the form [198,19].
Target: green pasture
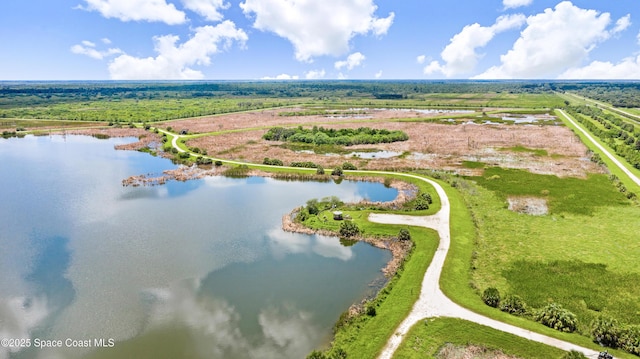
[427,337]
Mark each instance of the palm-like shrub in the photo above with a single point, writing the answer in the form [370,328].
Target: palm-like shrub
[491,297]
[556,317]
[513,304]
[605,331]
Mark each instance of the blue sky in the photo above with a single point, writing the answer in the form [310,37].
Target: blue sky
[324,39]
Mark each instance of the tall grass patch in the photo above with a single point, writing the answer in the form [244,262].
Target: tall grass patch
[427,337]
[586,289]
[569,195]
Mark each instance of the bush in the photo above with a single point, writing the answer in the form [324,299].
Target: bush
[312,206]
[337,172]
[349,166]
[513,304]
[349,229]
[404,235]
[320,170]
[316,354]
[491,297]
[605,330]
[218,163]
[371,310]
[629,340]
[574,354]
[556,317]
[272,162]
[421,204]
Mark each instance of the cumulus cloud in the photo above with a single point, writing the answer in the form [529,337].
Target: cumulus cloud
[512,4]
[460,55]
[106,41]
[137,10]
[354,60]
[173,62]
[421,59]
[638,37]
[378,74]
[553,41]
[88,48]
[314,74]
[317,28]
[622,24]
[282,77]
[209,9]
[627,69]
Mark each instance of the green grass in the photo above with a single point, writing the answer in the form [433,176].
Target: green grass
[472,164]
[519,148]
[486,238]
[586,289]
[366,336]
[425,339]
[568,195]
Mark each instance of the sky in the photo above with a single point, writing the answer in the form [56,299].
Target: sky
[318,39]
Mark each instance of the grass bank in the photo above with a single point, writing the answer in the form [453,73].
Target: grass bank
[426,338]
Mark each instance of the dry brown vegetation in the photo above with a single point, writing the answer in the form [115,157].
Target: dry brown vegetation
[450,351]
[430,145]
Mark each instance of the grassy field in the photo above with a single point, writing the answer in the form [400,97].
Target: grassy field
[365,336]
[583,255]
[34,125]
[426,338]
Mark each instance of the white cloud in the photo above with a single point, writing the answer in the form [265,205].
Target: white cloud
[282,77]
[378,74]
[352,61]
[209,9]
[137,10]
[342,76]
[622,24]
[627,69]
[421,59]
[88,48]
[512,4]
[553,41]
[317,28]
[460,55]
[106,41]
[173,62]
[315,74]
[638,37]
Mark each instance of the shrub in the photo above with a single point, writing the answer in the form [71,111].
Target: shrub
[629,340]
[421,204]
[316,354]
[349,166]
[303,164]
[337,172]
[312,206]
[556,317]
[574,354]
[371,310]
[349,229]
[184,155]
[491,297]
[218,163]
[513,304]
[404,235]
[272,162]
[605,330]
[320,170]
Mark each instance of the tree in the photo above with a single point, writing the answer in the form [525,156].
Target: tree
[404,235]
[349,229]
[491,297]
[337,172]
[349,166]
[312,206]
[320,170]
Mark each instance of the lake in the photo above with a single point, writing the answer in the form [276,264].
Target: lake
[197,269]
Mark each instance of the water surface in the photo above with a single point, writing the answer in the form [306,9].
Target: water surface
[199,269]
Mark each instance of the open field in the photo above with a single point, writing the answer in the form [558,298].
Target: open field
[541,149]
[582,253]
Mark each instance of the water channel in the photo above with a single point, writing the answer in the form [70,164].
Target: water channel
[197,269]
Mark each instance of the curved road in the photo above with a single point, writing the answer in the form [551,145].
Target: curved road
[432,301]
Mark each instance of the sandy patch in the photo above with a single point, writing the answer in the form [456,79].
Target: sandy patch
[451,351]
[534,206]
